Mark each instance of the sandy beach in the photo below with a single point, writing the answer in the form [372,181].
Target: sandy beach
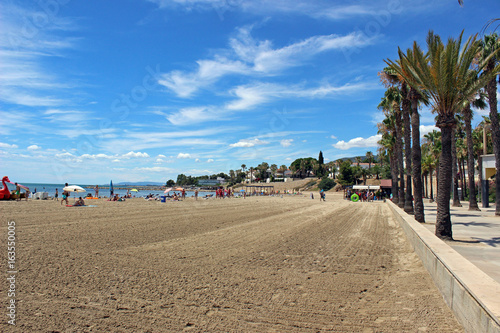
[261,264]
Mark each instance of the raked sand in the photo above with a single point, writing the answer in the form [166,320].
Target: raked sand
[266,264]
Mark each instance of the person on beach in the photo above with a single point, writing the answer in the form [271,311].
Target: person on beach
[183,194]
[79,202]
[196,195]
[96,190]
[18,192]
[65,195]
[56,196]
[322,195]
[312,196]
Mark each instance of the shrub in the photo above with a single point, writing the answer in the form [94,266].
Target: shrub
[326,184]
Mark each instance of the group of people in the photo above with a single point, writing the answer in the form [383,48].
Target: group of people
[221,193]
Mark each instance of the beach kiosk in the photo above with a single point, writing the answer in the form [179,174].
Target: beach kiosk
[488,171]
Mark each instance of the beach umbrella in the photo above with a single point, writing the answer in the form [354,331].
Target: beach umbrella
[242,190]
[134,190]
[111,189]
[179,189]
[74,188]
[168,190]
[26,188]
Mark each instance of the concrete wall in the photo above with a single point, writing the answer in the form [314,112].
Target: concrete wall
[472,295]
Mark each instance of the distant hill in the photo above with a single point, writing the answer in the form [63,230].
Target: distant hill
[139,184]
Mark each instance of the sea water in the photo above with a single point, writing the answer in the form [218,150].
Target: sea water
[103,192]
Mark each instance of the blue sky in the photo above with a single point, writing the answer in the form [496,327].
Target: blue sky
[142,90]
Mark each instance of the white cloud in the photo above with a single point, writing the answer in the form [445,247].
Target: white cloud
[34,147]
[24,81]
[183,155]
[197,160]
[154,169]
[250,57]
[424,129]
[188,116]
[185,84]
[134,155]
[161,156]
[286,142]
[358,142]
[210,160]
[6,145]
[251,95]
[247,143]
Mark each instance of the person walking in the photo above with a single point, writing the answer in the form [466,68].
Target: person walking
[57,195]
[65,195]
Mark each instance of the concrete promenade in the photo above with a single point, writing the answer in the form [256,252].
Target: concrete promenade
[476,235]
[466,270]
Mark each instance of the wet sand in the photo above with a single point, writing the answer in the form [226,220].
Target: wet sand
[265,264]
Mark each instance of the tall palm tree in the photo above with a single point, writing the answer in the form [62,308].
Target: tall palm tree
[490,47]
[411,103]
[388,130]
[369,157]
[391,103]
[467,112]
[433,147]
[445,77]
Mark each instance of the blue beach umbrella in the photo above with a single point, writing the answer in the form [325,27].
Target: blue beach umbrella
[111,189]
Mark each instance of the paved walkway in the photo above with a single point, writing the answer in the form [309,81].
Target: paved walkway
[476,235]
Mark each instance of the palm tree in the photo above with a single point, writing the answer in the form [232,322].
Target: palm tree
[243,167]
[369,157]
[413,156]
[467,112]
[274,167]
[445,77]
[391,103]
[388,142]
[433,147]
[490,47]
[251,174]
[454,171]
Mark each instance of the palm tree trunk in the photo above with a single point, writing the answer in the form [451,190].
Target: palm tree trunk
[432,186]
[426,186]
[399,144]
[408,207]
[454,170]
[463,181]
[394,177]
[443,217]
[491,89]
[417,163]
[470,159]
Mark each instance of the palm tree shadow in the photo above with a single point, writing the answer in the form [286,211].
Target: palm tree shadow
[494,242]
[474,224]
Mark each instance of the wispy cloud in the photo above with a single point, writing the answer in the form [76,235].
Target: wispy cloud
[316,9]
[251,95]
[250,57]
[24,81]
